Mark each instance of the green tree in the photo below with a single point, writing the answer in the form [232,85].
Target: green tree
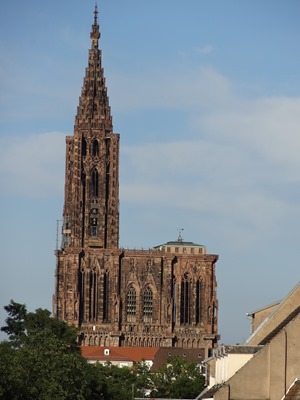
[41,360]
[116,383]
[41,320]
[143,383]
[15,328]
[178,378]
[20,324]
[7,370]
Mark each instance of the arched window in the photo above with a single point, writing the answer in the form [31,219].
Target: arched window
[148,304]
[131,302]
[83,148]
[184,300]
[198,302]
[95,183]
[105,297]
[95,148]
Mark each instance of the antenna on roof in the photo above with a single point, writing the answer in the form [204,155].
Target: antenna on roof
[180,239]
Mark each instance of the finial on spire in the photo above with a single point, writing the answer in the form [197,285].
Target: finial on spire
[96,14]
[95,34]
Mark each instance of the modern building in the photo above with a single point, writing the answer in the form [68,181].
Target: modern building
[162,297]
[272,369]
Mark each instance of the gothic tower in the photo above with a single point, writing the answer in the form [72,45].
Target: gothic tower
[165,296]
[91,210]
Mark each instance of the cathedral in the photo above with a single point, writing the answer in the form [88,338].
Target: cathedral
[162,297]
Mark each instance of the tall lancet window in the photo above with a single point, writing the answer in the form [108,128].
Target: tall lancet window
[184,300]
[198,302]
[95,148]
[95,183]
[131,303]
[83,147]
[105,297]
[148,304]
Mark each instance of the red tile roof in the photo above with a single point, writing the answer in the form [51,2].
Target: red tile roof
[294,392]
[119,353]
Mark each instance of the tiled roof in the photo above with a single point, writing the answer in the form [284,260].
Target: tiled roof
[119,353]
[284,312]
[209,393]
[294,392]
[195,355]
[179,243]
[241,349]
[275,303]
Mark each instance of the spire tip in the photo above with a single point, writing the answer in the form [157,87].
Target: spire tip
[96,14]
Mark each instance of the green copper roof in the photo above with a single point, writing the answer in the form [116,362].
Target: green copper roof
[179,243]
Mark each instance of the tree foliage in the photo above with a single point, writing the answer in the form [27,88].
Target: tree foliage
[177,379]
[15,327]
[20,325]
[41,361]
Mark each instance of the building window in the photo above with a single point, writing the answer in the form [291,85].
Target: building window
[176,249]
[105,297]
[185,300]
[184,249]
[200,250]
[168,249]
[83,147]
[131,302]
[148,304]
[95,148]
[192,250]
[95,183]
[198,302]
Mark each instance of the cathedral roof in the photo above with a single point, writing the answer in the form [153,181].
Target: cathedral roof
[179,243]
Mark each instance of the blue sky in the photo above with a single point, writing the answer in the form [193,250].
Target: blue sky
[206,97]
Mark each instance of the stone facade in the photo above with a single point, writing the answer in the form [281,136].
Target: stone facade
[164,297]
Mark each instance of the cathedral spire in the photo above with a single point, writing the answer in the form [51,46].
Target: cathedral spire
[95,33]
[91,211]
[94,103]
[95,14]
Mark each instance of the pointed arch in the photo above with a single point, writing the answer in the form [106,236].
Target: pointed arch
[95,148]
[185,299]
[83,147]
[131,303]
[95,182]
[198,302]
[105,296]
[106,341]
[147,304]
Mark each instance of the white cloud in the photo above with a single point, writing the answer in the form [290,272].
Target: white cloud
[183,90]
[242,163]
[268,126]
[207,49]
[238,157]
[32,166]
